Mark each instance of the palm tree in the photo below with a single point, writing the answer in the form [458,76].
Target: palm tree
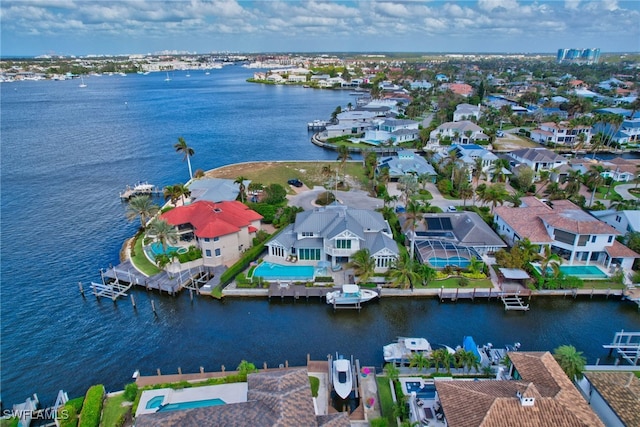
[182,147]
[240,181]
[594,178]
[143,207]
[403,272]
[571,361]
[437,357]
[392,371]
[427,273]
[498,168]
[343,156]
[172,193]
[547,259]
[163,232]
[363,264]
[475,265]
[529,251]
[573,181]
[413,216]
[495,194]
[465,193]
[420,361]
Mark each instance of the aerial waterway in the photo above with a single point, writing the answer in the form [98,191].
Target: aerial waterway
[67,152]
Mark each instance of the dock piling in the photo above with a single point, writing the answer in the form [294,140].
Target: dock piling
[81,290]
[153,307]
[133,301]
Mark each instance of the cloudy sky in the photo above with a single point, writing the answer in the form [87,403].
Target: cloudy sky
[72,27]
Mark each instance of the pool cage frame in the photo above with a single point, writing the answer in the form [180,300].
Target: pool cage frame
[433,248]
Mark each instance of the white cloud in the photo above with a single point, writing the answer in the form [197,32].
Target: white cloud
[490,5]
[571,4]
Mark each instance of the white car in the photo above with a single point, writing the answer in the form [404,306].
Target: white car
[451,209]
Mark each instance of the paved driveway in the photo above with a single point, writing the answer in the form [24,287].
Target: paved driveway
[623,190]
[357,199]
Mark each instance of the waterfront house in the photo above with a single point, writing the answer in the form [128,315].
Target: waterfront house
[614,396]
[626,221]
[395,131]
[215,189]
[628,132]
[466,112]
[221,230]
[406,162]
[453,238]
[562,133]
[462,132]
[353,123]
[538,159]
[334,233]
[467,155]
[273,398]
[571,232]
[535,393]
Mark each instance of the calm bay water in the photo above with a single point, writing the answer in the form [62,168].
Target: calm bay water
[66,152]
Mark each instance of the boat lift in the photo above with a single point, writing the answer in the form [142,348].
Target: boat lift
[627,345]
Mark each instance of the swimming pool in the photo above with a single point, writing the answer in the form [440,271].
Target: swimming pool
[156,249]
[582,271]
[269,271]
[190,405]
[456,261]
[427,391]
[155,402]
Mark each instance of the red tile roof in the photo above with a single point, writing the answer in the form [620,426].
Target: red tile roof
[528,220]
[211,219]
[618,250]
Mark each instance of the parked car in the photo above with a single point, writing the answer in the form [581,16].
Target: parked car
[400,209]
[295,182]
[451,209]
[499,134]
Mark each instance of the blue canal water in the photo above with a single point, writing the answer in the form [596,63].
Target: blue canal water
[66,152]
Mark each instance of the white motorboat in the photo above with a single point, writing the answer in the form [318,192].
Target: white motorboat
[350,295]
[342,378]
[402,350]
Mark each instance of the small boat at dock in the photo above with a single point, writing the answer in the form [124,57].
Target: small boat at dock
[350,295]
[403,350]
[342,377]
[141,188]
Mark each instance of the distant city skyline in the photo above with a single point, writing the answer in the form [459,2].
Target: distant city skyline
[80,28]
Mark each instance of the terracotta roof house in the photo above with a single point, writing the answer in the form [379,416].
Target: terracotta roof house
[274,398]
[222,230]
[571,232]
[614,396]
[462,89]
[562,133]
[333,234]
[538,394]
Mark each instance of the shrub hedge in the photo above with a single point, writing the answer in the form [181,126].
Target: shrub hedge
[241,264]
[92,407]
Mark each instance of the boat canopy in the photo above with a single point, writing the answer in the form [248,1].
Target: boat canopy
[350,289]
[417,344]
[470,345]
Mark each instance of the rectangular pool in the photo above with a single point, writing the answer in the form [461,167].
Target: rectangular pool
[581,271]
[269,271]
[427,391]
[190,405]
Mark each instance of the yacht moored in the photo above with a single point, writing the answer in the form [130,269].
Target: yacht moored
[342,377]
[402,350]
[350,295]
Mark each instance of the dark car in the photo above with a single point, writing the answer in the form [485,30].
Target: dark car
[295,182]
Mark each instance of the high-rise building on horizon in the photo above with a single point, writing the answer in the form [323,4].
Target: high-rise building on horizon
[578,56]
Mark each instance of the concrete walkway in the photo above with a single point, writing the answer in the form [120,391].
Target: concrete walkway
[623,190]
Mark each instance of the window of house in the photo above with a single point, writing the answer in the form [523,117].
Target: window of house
[207,253]
[343,244]
[307,234]
[217,252]
[610,239]
[565,237]
[618,218]
[582,240]
[593,239]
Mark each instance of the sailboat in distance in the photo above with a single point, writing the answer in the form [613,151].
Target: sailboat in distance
[82,84]
[168,79]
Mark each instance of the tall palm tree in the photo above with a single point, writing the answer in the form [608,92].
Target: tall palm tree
[529,251]
[414,215]
[571,361]
[392,371]
[343,156]
[182,147]
[437,357]
[403,272]
[141,206]
[498,170]
[240,181]
[171,193]
[465,193]
[163,232]
[595,178]
[363,264]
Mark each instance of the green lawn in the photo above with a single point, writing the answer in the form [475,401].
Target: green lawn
[113,410]
[140,261]
[602,284]
[386,400]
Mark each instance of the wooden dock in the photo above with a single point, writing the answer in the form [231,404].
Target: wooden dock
[116,281]
[287,290]
[141,188]
[513,303]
